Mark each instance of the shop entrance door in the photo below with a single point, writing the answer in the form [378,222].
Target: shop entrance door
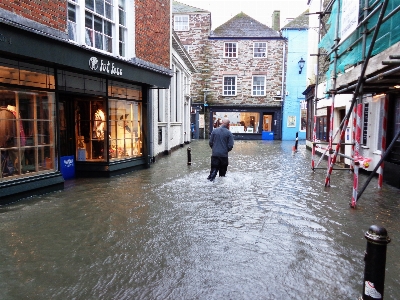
[267,123]
[67,134]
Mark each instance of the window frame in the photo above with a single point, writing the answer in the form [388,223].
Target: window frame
[225,91]
[230,51]
[72,25]
[259,48]
[122,29]
[178,23]
[263,87]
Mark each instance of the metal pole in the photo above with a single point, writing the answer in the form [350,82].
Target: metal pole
[335,61]
[189,156]
[375,261]
[314,139]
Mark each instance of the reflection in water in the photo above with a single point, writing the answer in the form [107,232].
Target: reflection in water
[269,230]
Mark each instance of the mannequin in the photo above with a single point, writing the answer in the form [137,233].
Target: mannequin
[98,124]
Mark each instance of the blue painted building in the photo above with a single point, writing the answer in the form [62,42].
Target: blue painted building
[294,117]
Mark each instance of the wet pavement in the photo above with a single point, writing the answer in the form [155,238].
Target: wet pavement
[269,230]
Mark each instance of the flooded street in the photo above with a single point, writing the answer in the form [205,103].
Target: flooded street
[269,230]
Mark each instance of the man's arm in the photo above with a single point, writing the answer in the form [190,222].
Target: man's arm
[230,142]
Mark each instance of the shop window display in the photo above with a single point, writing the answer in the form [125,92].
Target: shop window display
[90,130]
[27,139]
[125,129]
[240,122]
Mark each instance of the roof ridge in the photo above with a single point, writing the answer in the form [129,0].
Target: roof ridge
[187,5]
[242,25]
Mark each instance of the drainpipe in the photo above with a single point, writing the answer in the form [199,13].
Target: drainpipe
[150,121]
[283,84]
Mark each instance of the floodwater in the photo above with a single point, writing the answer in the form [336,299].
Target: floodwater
[269,230]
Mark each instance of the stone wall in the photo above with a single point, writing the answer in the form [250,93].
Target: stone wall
[244,67]
[208,57]
[197,41]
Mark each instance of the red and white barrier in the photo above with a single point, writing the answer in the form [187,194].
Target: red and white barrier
[314,139]
[383,145]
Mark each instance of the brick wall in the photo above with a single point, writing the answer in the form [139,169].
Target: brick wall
[51,13]
[153,31]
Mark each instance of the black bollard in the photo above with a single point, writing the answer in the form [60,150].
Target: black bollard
[189,156]
[297,140]
[375,261]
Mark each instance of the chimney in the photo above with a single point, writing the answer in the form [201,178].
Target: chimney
[276,20]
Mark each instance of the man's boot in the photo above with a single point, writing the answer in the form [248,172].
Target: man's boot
[212,175]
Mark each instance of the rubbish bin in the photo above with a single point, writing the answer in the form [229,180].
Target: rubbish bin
[267,135]
[68,166]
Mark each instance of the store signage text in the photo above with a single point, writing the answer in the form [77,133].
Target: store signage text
[104,66]
[4,39]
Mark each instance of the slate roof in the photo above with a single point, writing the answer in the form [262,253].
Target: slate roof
[243,26]
[180,8]
[299,22]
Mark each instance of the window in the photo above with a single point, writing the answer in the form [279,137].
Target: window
[72,21]
[181,23]
[122,26]
[98,24]
[258,85]
[229,86]
[27,140]
[303,115]
[230,50]
[125,136]
[240,122]
[260,49]
[322,128]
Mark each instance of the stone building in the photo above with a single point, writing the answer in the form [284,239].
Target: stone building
[241,71]
[78,80]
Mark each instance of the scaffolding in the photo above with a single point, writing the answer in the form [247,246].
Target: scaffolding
[378,29]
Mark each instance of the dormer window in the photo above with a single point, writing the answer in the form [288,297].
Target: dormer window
[181,23]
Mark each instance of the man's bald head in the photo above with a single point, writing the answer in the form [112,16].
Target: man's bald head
[225,122]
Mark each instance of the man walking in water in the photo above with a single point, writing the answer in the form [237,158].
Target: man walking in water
[221,142]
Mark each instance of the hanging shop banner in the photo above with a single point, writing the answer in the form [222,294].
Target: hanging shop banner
[349,20]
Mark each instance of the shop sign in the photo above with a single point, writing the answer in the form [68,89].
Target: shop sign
[4,39]
[322,112]
[104,66]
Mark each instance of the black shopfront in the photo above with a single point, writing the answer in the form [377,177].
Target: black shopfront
[62,106]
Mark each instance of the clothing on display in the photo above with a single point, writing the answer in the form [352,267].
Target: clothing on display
[98,125]
[7,128]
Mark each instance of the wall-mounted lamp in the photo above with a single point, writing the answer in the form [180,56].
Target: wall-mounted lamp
[301,64]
